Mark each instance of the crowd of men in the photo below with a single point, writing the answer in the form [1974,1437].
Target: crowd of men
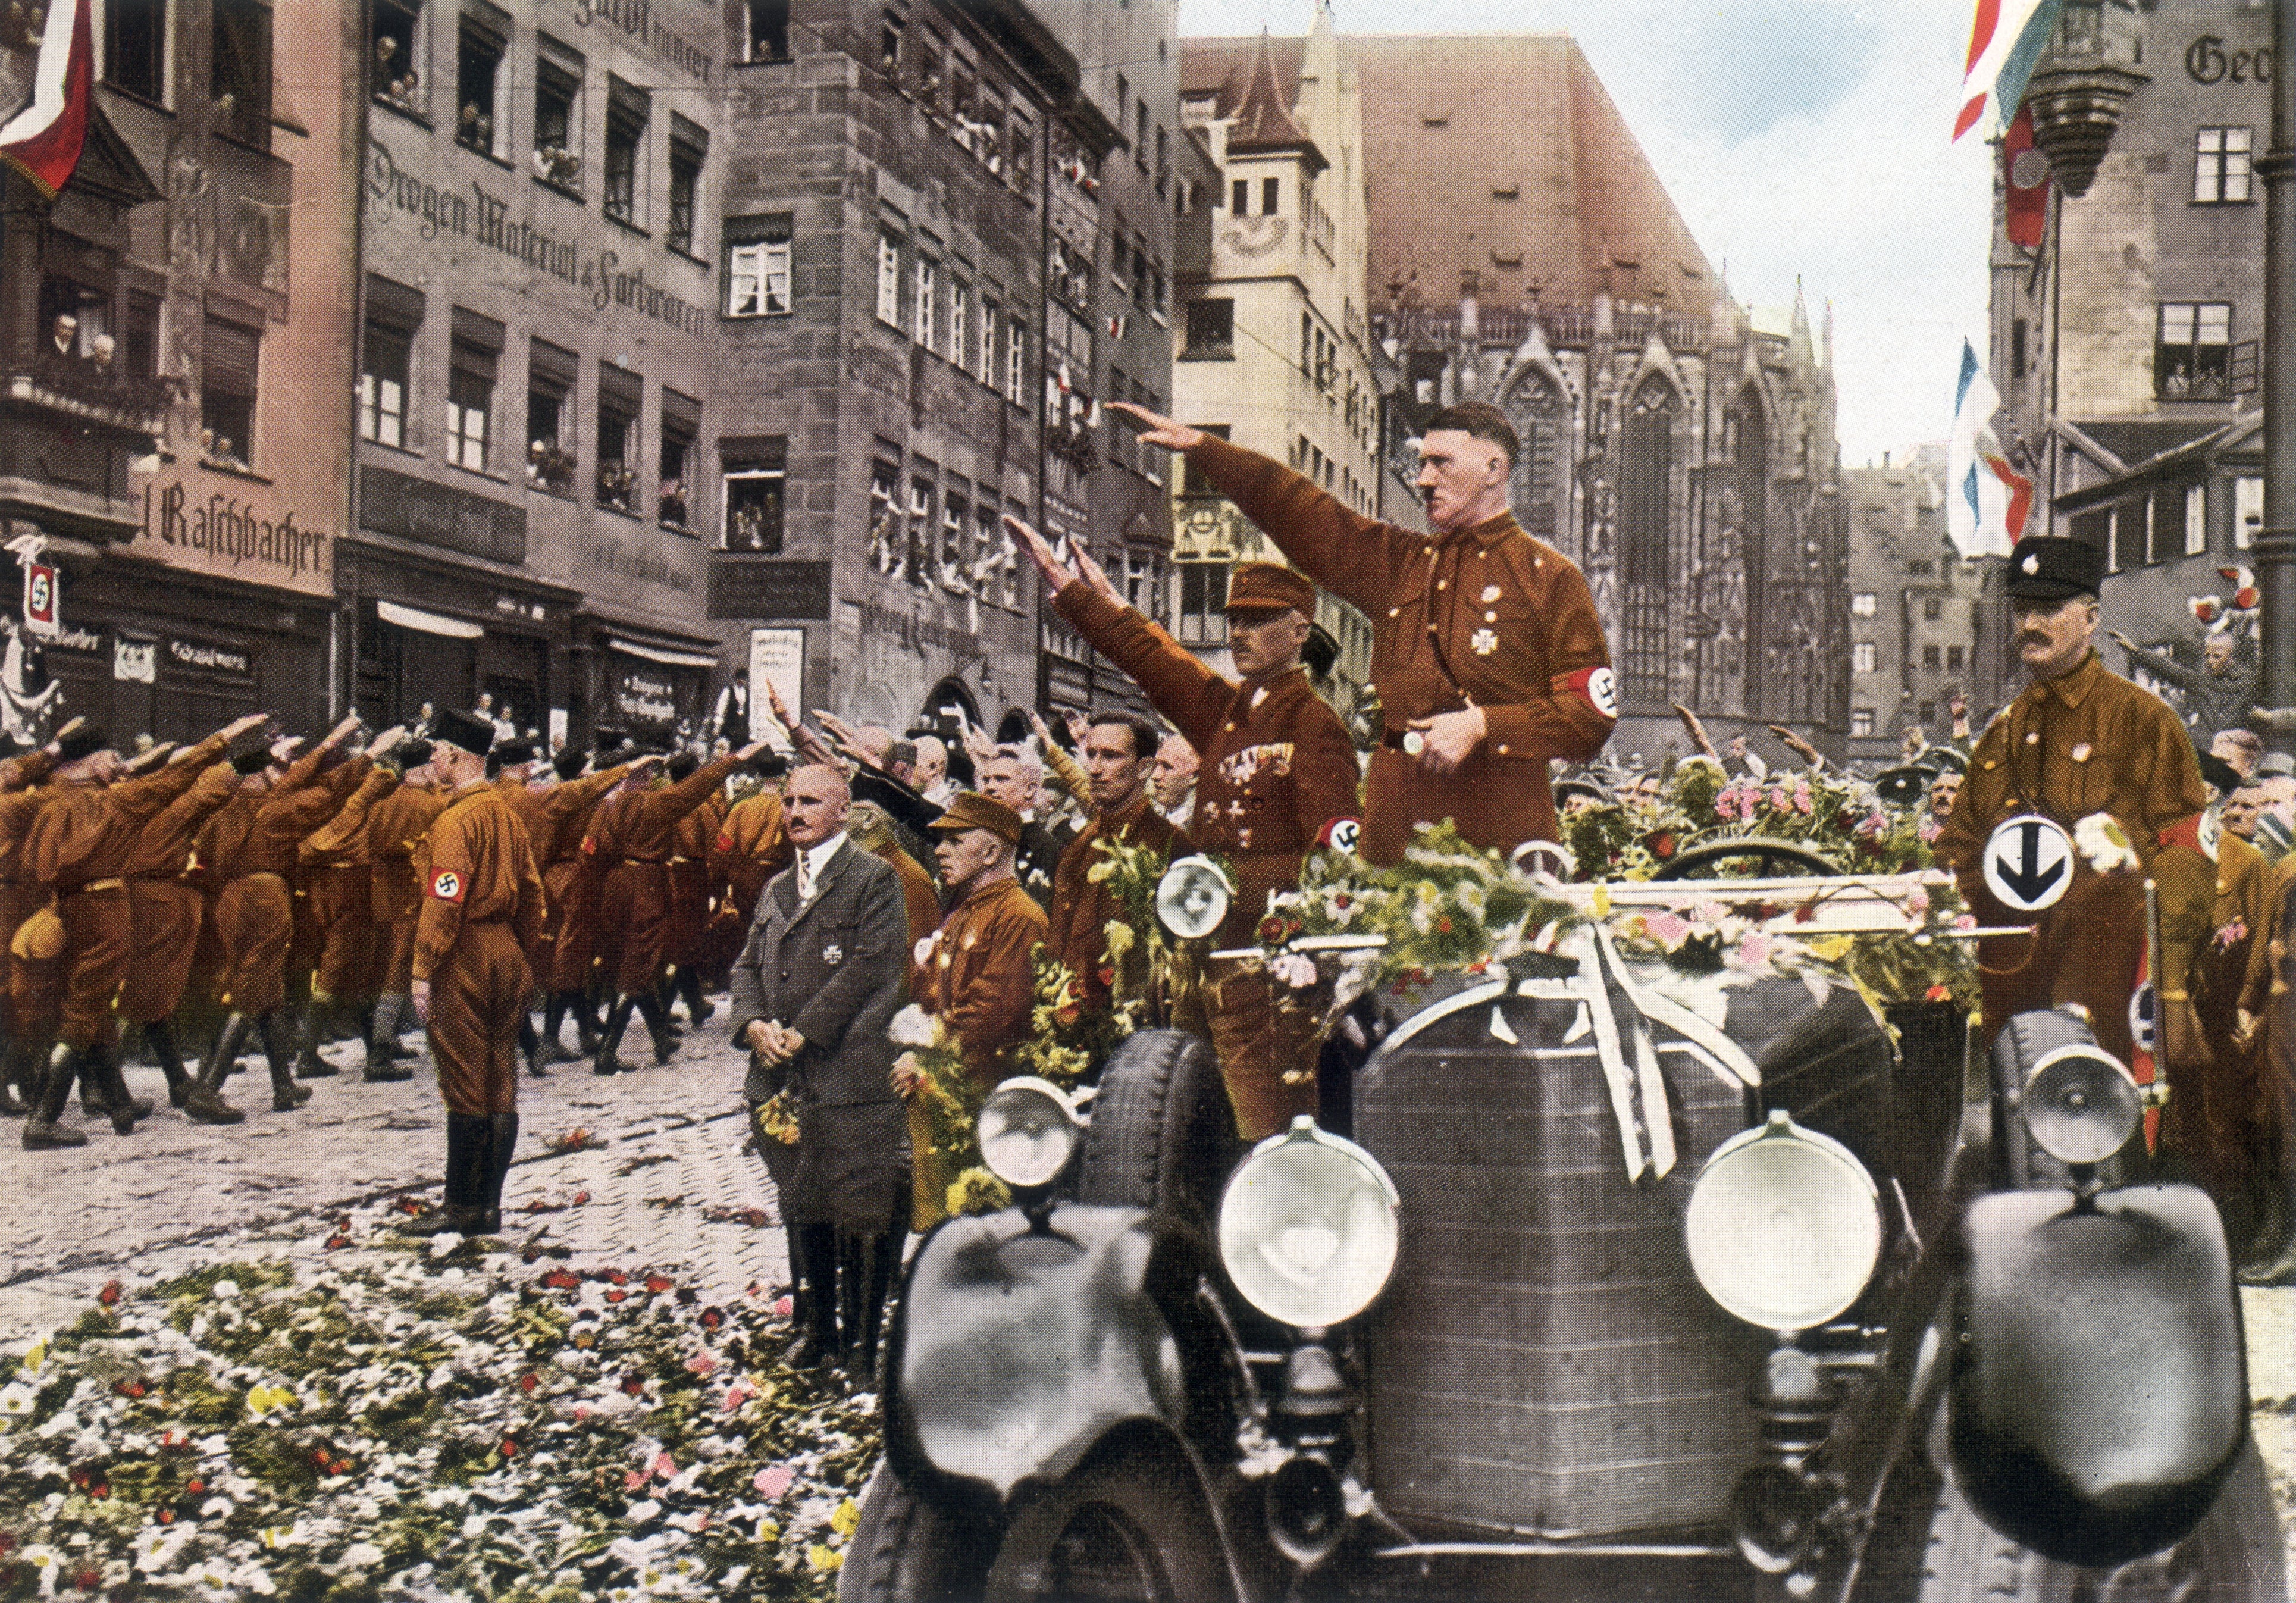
[250,890]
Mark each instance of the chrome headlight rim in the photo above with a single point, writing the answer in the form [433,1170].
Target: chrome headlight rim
[1310,1273]
[1193,898]
[1035,1108]
[1831,1198]
[2059,1138]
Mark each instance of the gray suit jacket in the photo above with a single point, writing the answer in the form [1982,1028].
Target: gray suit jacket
[836,970]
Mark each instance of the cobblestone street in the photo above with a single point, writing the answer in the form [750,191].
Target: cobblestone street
[666,1183]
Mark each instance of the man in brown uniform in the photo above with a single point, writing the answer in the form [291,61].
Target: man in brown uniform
[751,847]
[21,800]
[631,835]
[2078,742]
[337,866]
[976,972]
[77,853]
[1118,751]
[250,847]
[570,885]
[1487,652]
[685,938]
[1275,772]
[397,826]
[870,823]
[481,915]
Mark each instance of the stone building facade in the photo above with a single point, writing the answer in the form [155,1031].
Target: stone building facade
[1924,624]
[174,417]
[1678,447]
[2125,346]
[1273,341]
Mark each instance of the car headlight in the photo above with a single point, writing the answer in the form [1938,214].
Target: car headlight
[1783,1227]
[1028,1130]
[1307,1227]
[1193,898]
[2081,1104]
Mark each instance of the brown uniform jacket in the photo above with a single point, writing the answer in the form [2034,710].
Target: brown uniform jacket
[752,845]
[345,841]
[640,828]
[1082,906]
[86,833]
[918,894]
[480,870]
[396,826]
[163,848]
[1487,615]
[26,770]
[1276,765]
[565,814]
[976,975]
[527,803]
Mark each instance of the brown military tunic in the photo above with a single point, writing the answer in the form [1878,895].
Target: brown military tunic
[687,936]
[78,853]
[1275,769]
[481,913]
[633,838]
[1082,908]
[337,865]
[751,847]
[20,804]
[2086,741]
[252,844]
[167,908]
[396,826]
[570,880]
[918,894]
[976,975]
[1487,615]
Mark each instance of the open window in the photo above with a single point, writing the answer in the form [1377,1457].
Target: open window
[229,366]
[755,474]
[478,77]
[681,425]
[619,395]
[551,372]
[394,315]
[764,31]
[558,118]
[627,111]
[689,145]
[757,265]
[239,70]
[136,47]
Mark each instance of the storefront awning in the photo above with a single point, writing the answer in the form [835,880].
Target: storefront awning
[429,623]
[655,653]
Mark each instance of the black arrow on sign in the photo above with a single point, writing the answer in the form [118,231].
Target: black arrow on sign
[2028,880]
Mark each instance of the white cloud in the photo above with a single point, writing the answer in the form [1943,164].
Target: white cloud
[1801,139]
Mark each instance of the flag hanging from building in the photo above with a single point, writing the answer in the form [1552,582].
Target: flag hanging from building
[2004,43]
[43,140]
[1986,498]
[2025,184]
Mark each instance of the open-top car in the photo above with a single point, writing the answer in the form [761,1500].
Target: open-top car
[1603,1274]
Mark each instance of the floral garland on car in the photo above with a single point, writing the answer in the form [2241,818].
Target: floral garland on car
[414,1423]
[1840,820]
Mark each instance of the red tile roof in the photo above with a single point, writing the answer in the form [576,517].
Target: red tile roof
[1498,154]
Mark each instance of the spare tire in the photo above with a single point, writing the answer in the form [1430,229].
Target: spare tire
[1162,1136]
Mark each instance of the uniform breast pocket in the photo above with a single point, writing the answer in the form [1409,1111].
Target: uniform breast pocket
[836,942]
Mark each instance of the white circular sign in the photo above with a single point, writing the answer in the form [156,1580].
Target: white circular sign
[2028,862]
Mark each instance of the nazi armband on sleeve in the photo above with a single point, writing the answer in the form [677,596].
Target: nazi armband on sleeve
[1597,687]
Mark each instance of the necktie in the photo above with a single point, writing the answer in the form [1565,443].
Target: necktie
[804,879]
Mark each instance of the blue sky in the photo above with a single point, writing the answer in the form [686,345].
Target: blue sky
[1800,138]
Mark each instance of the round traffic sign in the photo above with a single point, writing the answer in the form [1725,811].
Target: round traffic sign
[2028,862]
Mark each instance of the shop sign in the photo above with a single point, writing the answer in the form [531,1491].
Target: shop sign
[75,640]
[209,659]
[441,516]
[768,587]
[776,658]
[230,536]
[646,697]
[135,662]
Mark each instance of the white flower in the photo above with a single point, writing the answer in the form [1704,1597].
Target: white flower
[156,1549]
[16,1399]
[913,1026]
[1473,901]
[360,1556]
[223,1291]
[1295,969]
[2103,845]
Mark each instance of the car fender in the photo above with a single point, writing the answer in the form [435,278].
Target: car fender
[1017,1348]
[2098,1395]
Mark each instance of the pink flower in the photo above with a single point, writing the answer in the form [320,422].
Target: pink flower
[1779,800]
[1668,929]
[1754,952]
[1966,921]
[1804,802]
[773,1480]
[736,1395]
[701,1363]
[633,1479]
[665,1466]
[1917,902]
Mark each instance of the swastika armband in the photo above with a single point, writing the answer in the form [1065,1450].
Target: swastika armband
[447,885]
[1598,688]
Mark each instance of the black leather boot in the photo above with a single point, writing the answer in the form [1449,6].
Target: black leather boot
[554,1020]
[698,1007]
[462,1210]
[160,1039]
[51,1097]
[530,1047]
[658,1027]
[382,1038]
[883,1256]
[99,1064]
[585,1022]
[286,1096]
[817,1249]
[501,1148]
[20,1077]
[610,1045]
[204,1102]
[309,1064]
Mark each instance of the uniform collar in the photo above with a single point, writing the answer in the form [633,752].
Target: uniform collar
[1491,532]
[994,887]
[2072,688]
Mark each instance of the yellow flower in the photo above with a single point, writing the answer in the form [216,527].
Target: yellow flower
[1099,872]
[1119,940]
[1602,900]
[38,1356]
[1833,948]
[825,1560]
[847,1516]
[262,1400]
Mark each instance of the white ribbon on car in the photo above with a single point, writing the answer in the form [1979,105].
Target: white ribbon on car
[1621,1011]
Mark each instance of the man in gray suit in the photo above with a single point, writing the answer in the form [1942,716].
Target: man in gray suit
[824,971]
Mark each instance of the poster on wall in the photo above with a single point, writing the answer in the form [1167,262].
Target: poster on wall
[776,658]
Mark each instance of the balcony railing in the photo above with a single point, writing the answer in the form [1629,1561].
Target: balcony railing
[80,386]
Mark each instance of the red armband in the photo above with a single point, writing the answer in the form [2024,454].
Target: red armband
[447,886]
[1598,688]
[2185,832]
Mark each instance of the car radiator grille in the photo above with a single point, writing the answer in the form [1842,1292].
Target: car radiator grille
[1543,1362]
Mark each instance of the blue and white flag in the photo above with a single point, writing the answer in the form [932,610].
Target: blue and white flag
[1986,500]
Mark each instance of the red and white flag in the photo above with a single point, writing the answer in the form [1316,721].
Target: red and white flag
[2004,41]
[43,140]
[2025,184]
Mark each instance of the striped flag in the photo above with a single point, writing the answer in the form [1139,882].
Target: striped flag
[1986,499]
[43,140]
[2004,42]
